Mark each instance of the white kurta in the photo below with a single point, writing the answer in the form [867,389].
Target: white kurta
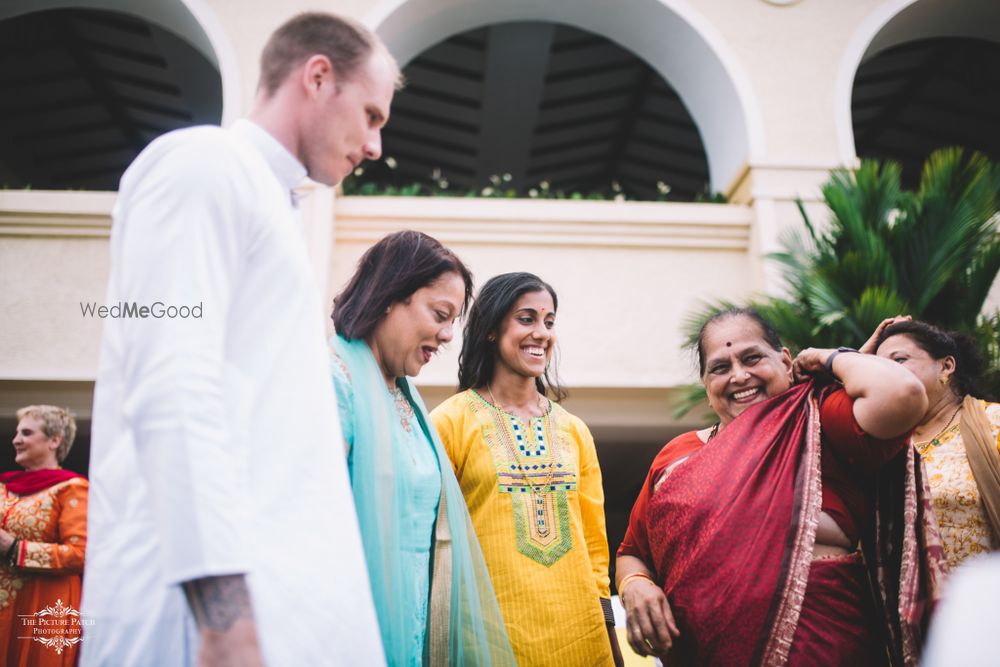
[963,629]
[215,446]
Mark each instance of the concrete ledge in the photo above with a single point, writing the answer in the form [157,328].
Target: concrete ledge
[56,214]
[547,222]
[68,214]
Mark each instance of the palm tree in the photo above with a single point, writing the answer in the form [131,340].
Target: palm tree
[933,254]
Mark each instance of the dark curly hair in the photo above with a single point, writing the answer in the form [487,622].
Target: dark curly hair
[938,343]
[495,300]
[390,272]
[767,331]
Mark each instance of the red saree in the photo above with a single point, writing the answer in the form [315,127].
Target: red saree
[731,533]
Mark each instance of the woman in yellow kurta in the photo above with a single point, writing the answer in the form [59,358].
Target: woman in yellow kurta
[957,434]
[42,542]
[530,476]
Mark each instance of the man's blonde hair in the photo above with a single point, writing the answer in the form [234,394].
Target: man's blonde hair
[345,42]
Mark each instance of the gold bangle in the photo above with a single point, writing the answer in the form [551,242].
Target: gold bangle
[629,578]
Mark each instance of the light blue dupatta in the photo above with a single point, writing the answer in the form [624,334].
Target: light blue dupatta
[464,623]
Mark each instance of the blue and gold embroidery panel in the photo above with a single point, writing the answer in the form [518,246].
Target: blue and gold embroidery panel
[531,467]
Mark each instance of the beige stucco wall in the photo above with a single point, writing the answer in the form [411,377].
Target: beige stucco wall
[53,255]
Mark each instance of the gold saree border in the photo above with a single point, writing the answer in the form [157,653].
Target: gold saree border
[439,618]
[793,594]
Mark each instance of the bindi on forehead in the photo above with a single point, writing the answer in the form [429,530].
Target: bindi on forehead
[729,343]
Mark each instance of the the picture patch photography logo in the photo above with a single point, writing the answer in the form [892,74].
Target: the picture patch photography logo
[57,626]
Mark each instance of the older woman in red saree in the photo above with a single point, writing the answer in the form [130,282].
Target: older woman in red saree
[743,545]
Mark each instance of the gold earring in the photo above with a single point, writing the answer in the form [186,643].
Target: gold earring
[944,379]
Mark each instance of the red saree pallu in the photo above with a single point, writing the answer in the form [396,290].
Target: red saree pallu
[731,534]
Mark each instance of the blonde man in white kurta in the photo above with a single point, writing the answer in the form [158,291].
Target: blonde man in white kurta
[216,452]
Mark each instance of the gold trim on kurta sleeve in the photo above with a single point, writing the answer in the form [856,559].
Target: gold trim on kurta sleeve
[65,556]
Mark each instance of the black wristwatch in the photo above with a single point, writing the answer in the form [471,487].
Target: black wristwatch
[829,360]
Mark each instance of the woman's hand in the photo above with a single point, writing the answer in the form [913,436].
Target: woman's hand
[809,362]
[869,346]
[649,620]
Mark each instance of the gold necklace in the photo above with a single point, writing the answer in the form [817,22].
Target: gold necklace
[512,449]
[935,441]
[496,403]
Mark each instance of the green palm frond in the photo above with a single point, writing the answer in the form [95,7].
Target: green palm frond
[951,219]
[873,305]
[791,321]
[828,302]
[987,332]
[962,298]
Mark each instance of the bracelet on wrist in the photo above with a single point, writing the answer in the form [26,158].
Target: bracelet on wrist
[829,360]
[629,578]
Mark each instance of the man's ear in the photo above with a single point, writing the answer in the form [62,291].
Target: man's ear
[317,72]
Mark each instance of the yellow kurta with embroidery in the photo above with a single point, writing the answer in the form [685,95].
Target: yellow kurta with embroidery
[52,527]
[965,529]
[534,492]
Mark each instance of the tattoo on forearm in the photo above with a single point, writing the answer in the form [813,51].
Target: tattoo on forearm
[218,602]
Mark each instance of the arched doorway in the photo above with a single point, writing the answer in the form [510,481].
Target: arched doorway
[539,108]
[923,75]
[87,88]
[678,44]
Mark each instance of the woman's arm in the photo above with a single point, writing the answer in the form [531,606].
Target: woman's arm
[889,400]
[66,555]
[590,493]
[649,621]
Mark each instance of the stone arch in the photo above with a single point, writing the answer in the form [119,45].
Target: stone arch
[896,22]
[191,20]
[129,71]
[695,60]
